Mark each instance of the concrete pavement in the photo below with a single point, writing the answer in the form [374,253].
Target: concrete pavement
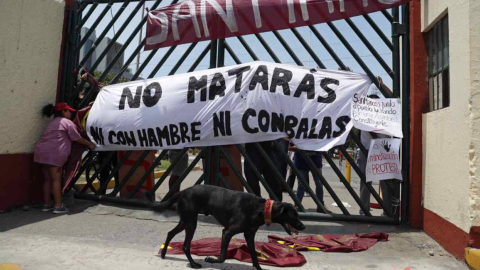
[102,236]
[111,237]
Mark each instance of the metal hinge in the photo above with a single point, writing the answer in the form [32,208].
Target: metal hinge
[399,29]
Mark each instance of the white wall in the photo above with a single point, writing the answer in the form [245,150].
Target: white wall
[450,145]
[474,106]
[30,43]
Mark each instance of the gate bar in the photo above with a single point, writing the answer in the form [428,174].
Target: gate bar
[236,170]
[363,179]
[89,183]
[200,179]
[168,171]
[269,50]
[303,216]
[379,31]
[221,53]
[100,168]
[256,172]
[200,58]
[207,169]
[224,182]
[247,47]
[370,47]
[309,216]
[107,28]
[84,20]
[346,184]
[300,177]
[358,59]
[308,48]
[320,177]
[184,56]
[130,173]
[216,165]
[104,185]
[287,47]
[109,46]
[183,176]
[160,64]
[232,54]
[94,26]
[406,115]
[279,177]
[147,173]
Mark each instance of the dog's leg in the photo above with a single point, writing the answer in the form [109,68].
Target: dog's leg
[250,238]
[180,227]
[190,227]
[227,235]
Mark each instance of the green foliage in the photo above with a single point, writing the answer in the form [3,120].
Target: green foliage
[108,78]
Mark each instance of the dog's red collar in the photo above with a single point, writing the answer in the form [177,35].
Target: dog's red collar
[267,213]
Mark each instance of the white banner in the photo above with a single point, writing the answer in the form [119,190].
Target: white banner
[383,161]
[382,115]
[252,102]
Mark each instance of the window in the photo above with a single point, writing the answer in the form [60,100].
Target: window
[438,66]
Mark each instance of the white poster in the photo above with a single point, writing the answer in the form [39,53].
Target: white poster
[252,102]
[382,115]
[383,161]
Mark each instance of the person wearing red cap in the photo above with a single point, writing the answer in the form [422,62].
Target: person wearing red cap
[52,151]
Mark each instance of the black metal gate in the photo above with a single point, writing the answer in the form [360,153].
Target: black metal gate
[104,58]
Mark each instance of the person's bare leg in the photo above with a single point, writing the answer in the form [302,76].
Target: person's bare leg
[56,175]
[47,186]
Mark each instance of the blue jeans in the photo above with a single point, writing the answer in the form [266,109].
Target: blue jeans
[318,188]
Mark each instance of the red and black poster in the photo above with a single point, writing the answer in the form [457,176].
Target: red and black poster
[199,20]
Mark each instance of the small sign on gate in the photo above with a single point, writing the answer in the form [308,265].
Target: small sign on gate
[383,161]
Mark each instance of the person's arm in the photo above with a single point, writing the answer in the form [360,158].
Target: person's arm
[86,143]
[390,93]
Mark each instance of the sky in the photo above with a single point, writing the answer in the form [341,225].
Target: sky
[262,54]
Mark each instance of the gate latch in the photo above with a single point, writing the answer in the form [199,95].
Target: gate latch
[398,29]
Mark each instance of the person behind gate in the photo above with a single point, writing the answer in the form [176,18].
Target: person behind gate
[305,169]
[52,151]
[263,167]
[178,170]
[365,139]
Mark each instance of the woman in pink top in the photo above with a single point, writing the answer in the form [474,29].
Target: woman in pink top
[52,151]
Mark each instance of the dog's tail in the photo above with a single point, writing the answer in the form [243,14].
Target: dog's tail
[160,207]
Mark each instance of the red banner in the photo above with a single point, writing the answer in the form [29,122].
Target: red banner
[267,253]
[198,20]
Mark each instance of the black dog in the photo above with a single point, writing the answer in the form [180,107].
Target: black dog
[236,211]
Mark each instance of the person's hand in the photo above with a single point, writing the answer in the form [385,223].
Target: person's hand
[91,146]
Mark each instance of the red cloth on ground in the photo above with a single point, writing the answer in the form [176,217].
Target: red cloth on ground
[267,253]
[331,242]
[77,151]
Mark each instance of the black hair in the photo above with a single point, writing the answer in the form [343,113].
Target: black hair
[49,110]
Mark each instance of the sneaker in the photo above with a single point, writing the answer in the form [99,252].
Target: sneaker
[47,208]
[61,210]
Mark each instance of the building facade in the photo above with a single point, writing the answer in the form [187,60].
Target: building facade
[445,102]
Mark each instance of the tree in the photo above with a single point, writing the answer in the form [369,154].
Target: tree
[107,80]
